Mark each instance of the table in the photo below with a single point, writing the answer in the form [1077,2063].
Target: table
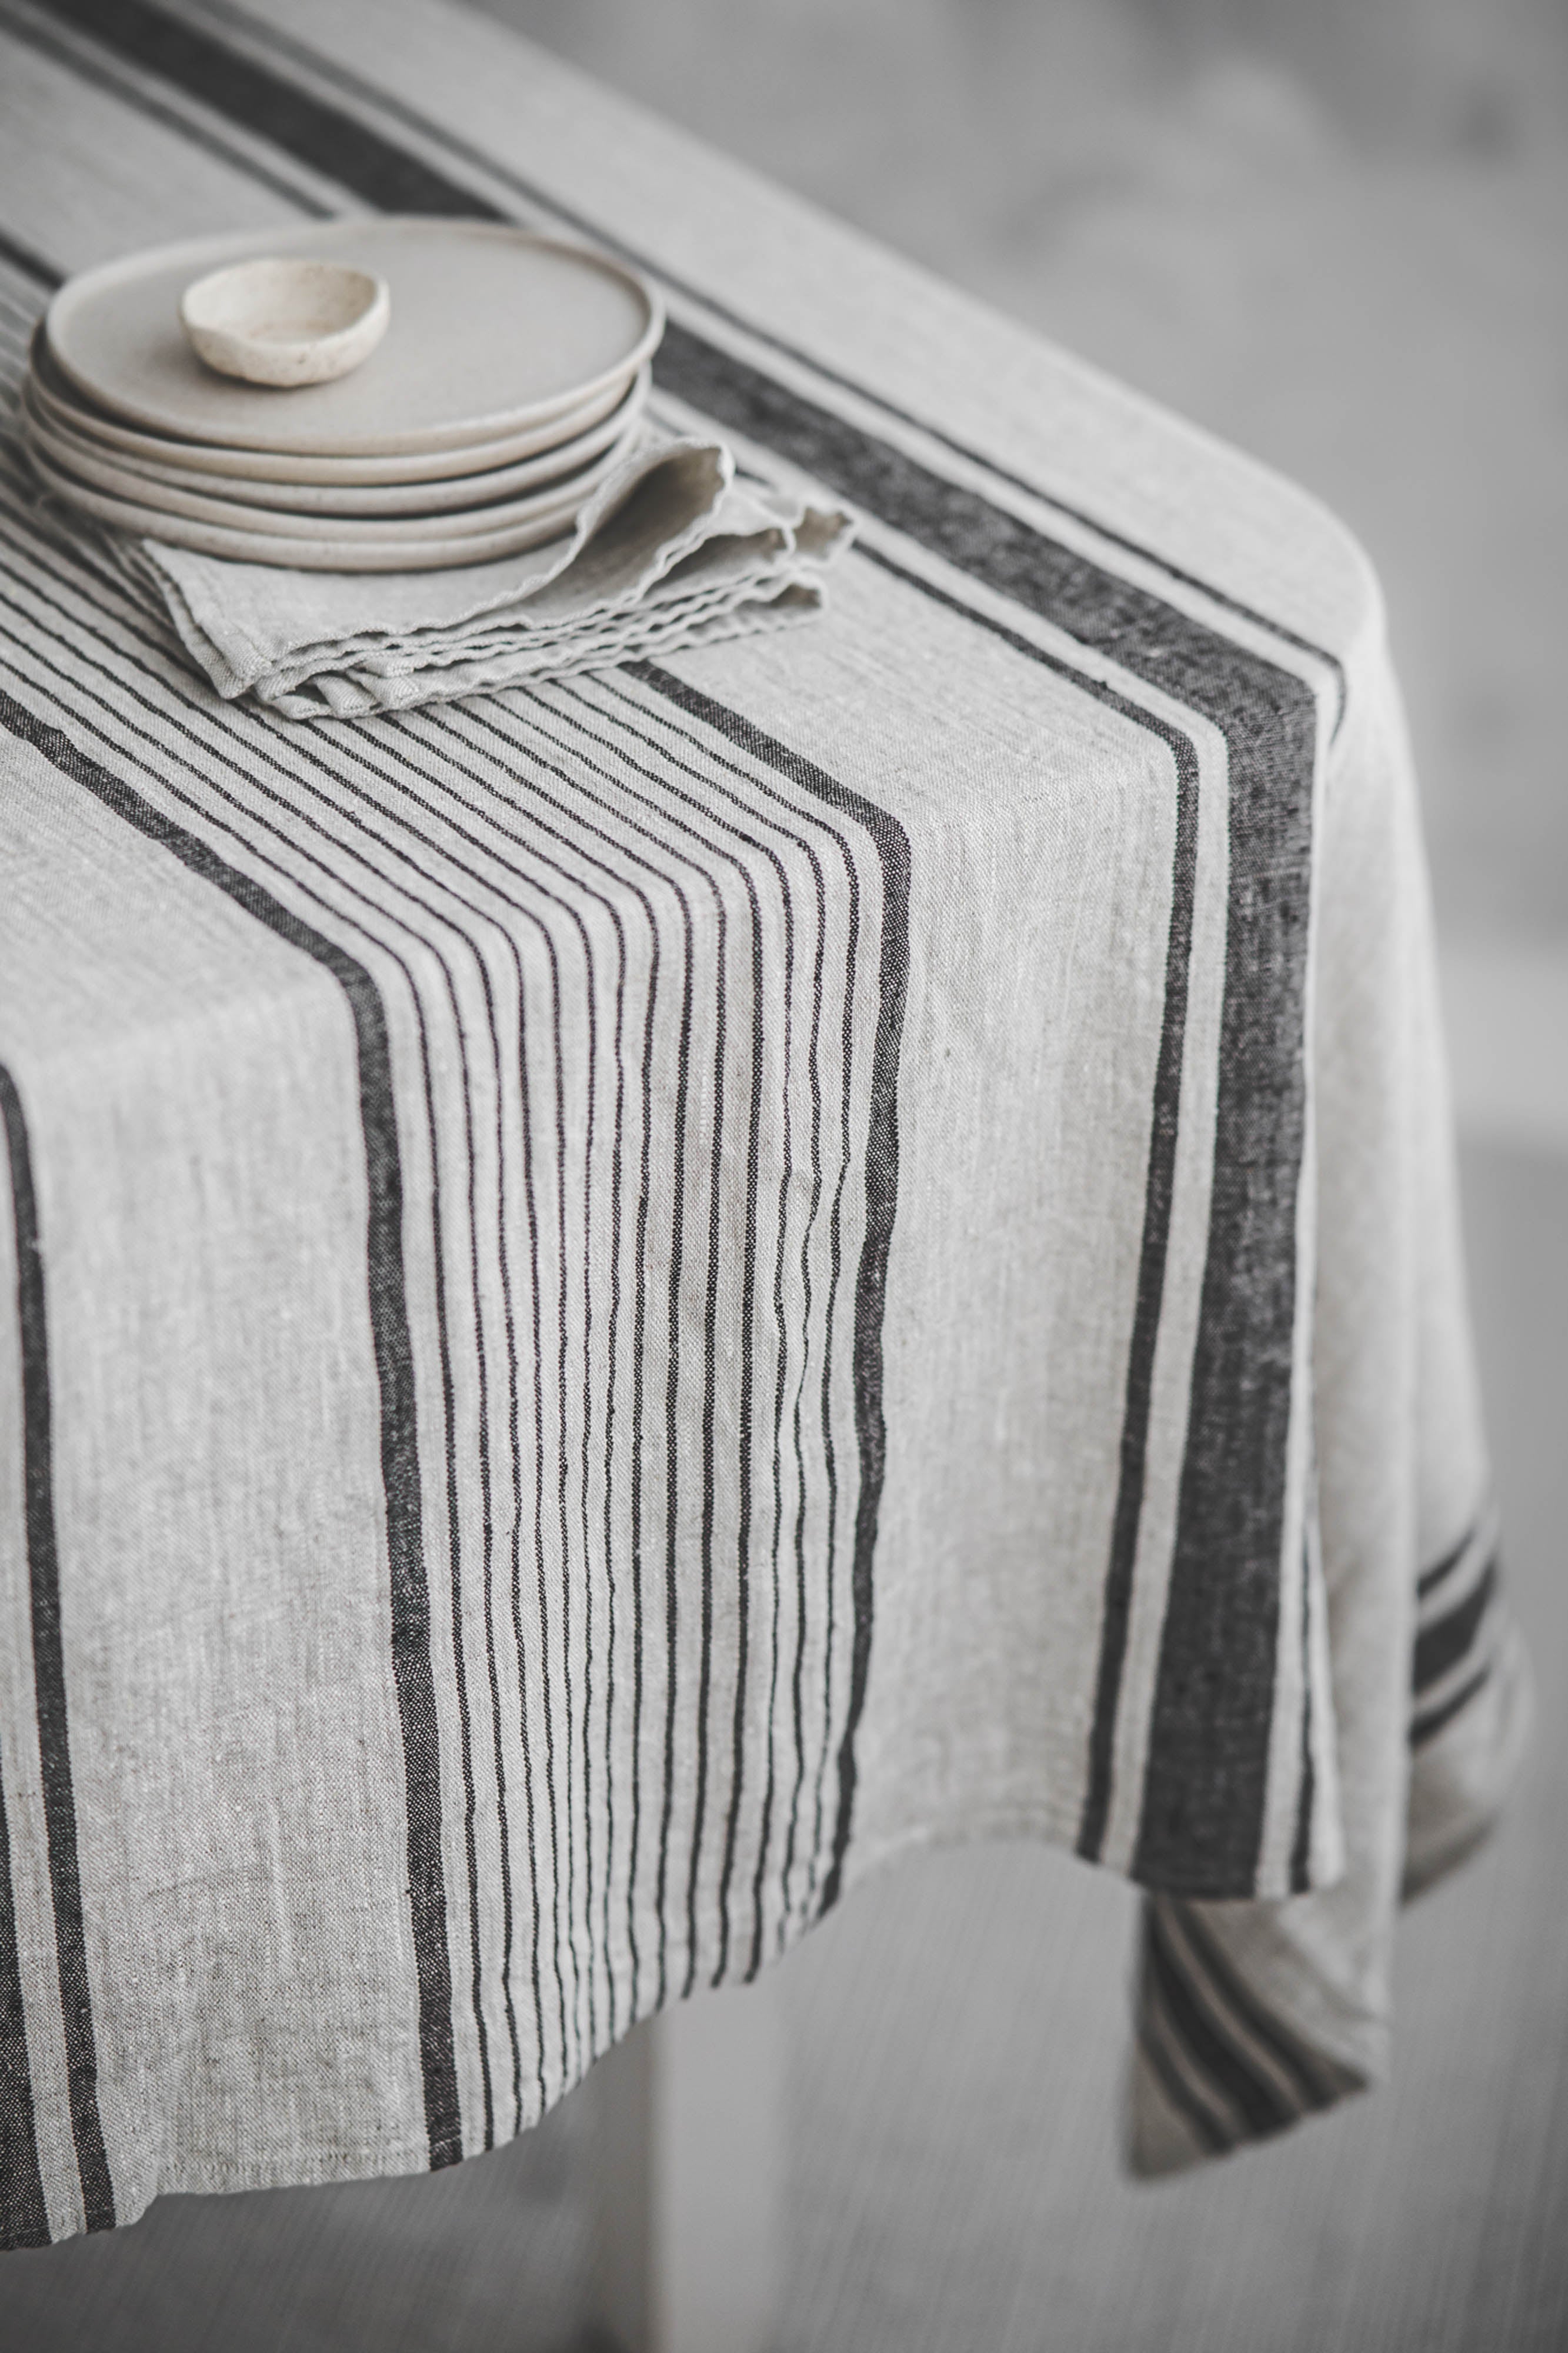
[634,1298]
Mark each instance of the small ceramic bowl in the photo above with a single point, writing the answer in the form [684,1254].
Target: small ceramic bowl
[286,323]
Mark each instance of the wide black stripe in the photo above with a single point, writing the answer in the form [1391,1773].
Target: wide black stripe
[1443,1644]
[1427,1727]
[409,1594]
[48,1646]
[1214,2056]
[892,848]
[1207,1767]
[1205,1782]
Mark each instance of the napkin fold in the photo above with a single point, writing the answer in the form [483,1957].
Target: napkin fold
[670,552]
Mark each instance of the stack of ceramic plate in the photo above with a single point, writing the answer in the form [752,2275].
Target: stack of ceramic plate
[509,384]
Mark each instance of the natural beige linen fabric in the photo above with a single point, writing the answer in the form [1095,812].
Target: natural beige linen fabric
[654,1288]
[669,553]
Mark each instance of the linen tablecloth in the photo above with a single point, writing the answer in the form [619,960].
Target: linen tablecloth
[632,1297]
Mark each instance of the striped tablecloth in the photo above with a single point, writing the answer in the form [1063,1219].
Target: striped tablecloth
[632,1297]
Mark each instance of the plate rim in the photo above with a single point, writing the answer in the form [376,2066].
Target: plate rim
[76,452]
[208,458]
[357,531]
[295,556]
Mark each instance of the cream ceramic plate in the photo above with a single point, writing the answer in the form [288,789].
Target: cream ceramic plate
[63,405]
[563,496]
[323,554]
[493,331]
[137,477]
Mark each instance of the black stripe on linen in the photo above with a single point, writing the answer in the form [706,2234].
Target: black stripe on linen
[24,2216]
[1302,1845]
[1214,2057]
[49,1665]
[1440,1646]
[892,848]
[1426,1726]
[1208,1762]
[410,1606]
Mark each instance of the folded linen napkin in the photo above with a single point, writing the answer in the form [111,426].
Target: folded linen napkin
[670,552]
